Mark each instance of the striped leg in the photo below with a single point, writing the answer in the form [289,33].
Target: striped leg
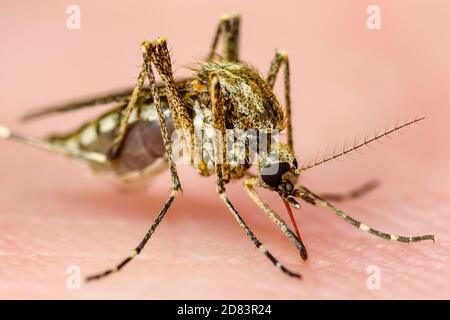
[126,114]
[159,55]
[220,142]
[167,144]
[220,166]
[141,245]
[228,29]
[249,185]
[74,153]
[280,58]
[312,198]
[352,194]
[253,238]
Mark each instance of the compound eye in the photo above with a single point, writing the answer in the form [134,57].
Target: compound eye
[272,175]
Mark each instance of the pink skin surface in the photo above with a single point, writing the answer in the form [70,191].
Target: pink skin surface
[346,80]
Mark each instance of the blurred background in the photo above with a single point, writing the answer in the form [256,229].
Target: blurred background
[347,81]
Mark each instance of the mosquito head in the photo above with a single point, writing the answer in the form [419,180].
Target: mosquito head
[279,171]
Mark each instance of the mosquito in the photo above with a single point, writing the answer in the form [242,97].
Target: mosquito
[133,140]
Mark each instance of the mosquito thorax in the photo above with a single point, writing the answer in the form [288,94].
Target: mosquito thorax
[249,101]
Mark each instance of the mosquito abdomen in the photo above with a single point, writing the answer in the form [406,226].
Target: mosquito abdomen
[142,146]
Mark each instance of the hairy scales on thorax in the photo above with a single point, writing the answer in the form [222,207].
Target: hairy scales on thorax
[249,104]
[249,101]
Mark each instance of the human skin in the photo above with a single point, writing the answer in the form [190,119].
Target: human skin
[346,81]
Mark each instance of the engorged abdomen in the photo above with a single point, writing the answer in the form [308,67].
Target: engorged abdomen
[142,146]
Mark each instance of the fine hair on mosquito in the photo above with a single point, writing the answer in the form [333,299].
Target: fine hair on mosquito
[225,119]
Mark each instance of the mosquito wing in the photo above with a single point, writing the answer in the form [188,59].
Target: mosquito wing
[117,96]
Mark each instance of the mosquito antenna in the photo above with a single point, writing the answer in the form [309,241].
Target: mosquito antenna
[356,146]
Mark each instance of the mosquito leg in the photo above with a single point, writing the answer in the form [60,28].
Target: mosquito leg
[352,194]
[249,185]
[141,245]
[157,53]
[255,240]
[75,153]
[161,117]
[126,113]
[220,165]
[167,143]
[220,142]
[228,29]
[312,198]
[280,58]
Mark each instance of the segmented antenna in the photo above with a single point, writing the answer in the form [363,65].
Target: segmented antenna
[356,147]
